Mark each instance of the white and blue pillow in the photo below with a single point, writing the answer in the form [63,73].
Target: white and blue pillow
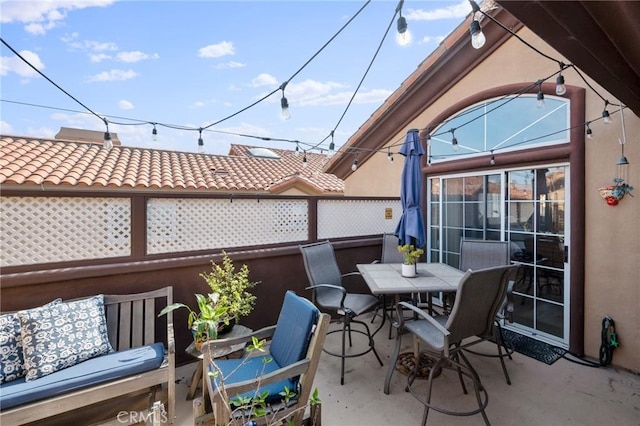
[58,336]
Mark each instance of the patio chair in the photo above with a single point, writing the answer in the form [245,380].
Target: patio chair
[330,295]
[480,254]
[292,361]
[478,298]
[390,254]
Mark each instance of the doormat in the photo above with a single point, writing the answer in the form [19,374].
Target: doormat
[532,348]
[406,362]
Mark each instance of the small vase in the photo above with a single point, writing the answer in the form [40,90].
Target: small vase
[408,271]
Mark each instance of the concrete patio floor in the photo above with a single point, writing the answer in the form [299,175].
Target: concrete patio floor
[564,393]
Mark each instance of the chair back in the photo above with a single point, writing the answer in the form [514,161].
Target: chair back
[480,294]
[294,329]
[322,268]
[390,253]
[481,254]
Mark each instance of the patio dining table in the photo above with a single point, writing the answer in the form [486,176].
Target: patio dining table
[387,279]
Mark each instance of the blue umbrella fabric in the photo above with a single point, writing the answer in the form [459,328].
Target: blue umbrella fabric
[410,229]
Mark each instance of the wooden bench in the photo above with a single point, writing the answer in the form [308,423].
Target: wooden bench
[131,323]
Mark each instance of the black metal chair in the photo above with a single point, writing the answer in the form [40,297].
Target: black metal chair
[480,294]
[329,294]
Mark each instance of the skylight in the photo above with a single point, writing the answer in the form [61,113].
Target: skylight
[263,153]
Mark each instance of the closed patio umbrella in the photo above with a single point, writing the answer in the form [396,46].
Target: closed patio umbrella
[410,229]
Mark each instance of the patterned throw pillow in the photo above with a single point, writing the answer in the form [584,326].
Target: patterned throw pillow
[11,358]
[63,335]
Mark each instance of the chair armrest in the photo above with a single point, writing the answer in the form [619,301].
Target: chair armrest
[421,314]
[292,370]
[331,286]
[263,333]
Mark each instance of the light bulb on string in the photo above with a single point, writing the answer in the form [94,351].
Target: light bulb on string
[304,160]
[354,165]
[403,36]
[107,142]
[540,96]
[589,132]
[606,117]
[200,142]
[154,133]
[332,147]
[297,149]
[284,103]
[493,159]
[561,89]
[454,141]
[389,155]
[477,36]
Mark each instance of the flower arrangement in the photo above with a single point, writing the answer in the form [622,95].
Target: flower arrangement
[232,288]
[204,322]
[411,253]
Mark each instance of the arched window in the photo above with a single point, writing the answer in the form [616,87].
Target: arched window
[501,124]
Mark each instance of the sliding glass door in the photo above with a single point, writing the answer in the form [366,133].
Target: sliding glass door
[526,207]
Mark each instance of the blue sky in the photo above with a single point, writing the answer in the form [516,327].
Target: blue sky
[193,63]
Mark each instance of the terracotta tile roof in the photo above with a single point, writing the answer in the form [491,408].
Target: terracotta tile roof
[29,161]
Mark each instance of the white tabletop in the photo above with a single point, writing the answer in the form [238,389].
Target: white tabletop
[386,278]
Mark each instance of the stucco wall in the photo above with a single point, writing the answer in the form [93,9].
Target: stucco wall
[612,252]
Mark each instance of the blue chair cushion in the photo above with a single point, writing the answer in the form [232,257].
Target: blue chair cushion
[101,369]
[253,367]
[293,330]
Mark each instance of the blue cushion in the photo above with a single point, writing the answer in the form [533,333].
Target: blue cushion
[94,371]
[289,344]
[293,331]
[253,367]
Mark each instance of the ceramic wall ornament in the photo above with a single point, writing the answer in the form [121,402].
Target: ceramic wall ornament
[612,194]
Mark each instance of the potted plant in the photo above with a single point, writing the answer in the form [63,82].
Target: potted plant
[203,323]
[232,288]
[411,255]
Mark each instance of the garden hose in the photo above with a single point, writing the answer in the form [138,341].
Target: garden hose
[609,341]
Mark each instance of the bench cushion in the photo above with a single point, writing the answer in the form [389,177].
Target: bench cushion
[94,371]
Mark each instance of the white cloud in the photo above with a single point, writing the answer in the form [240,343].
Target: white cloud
[264,80]
[456,11]
[136,56]
[123,104]
[429,39]
[5,128]
[41,16]
[99,57]
[73,41]
[375,96]
[310,89]
[230,64]
[223,48]
[17,65]
[113,75]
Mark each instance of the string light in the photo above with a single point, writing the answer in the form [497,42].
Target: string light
[304,160]
[589,131]
[493,159]
[477,36]
[389,155]
[284,103]
[561,89]
[297,149]
[606,118]
[540,96]
[107,143]
[354,165]
[454,140]
[403,36]
[332,146]
[154,133]
[200,142]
